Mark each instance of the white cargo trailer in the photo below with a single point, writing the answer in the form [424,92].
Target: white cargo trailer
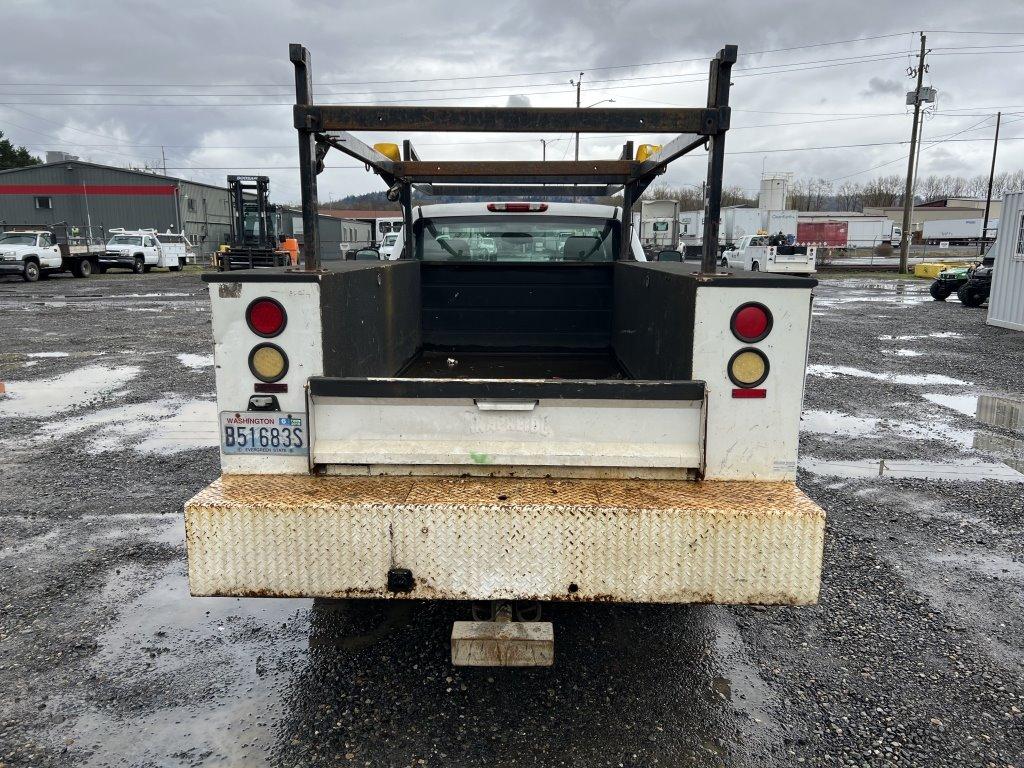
[659,224]
[955,231]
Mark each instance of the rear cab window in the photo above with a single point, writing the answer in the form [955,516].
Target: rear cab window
[516,238]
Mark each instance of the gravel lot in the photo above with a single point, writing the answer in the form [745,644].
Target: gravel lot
[912,657]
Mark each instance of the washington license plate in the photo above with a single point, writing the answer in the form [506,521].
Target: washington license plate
[263,432]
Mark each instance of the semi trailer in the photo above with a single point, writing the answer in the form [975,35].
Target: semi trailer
[549,419]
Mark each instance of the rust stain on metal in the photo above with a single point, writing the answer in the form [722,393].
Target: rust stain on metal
[229,290]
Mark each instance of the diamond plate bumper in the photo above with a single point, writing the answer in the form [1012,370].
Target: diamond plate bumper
[492,538]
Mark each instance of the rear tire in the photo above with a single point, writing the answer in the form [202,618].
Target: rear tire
[971,295]
[724,263]
[940,291]
[31,272]
[147,269]
[178,267]
[82,268]
[755,267]
[101,269]
[138,265]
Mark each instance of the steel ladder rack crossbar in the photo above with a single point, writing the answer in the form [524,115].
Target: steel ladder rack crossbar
[323,127]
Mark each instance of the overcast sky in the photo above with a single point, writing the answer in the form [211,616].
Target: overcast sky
[113,81]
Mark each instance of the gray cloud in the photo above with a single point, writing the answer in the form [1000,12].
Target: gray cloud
[878,86]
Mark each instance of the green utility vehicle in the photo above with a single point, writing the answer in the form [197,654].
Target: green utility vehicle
[949,282]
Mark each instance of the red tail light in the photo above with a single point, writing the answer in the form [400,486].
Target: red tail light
[751,322]
[266,317]
[516,207]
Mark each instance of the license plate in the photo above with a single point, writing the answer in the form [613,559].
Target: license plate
[272,433]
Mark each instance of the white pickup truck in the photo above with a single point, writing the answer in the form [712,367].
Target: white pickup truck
[142,250]
[753,254]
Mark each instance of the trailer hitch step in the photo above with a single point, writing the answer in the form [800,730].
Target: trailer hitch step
[503,642]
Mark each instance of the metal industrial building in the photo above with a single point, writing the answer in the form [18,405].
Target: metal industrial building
[88,194]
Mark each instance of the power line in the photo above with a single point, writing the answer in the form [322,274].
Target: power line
[573,69]
[671,79]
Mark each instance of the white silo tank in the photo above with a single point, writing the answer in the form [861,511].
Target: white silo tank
[773,194]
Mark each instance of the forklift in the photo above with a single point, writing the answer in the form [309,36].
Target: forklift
[253,241]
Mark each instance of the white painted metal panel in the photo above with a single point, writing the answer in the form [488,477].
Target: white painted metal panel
[550,432]
[1006,302]
[301,340]
[752,439]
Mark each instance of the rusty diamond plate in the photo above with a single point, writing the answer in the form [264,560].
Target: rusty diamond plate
[492,538]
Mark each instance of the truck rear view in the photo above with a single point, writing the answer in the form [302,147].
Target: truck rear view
[518,409]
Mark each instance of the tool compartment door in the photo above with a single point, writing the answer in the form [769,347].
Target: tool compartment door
[534,423]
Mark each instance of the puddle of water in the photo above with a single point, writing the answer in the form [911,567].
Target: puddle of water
[48,354]
[915,379]
[195,362]
[169,425]
[30,364]
[175,640]
[837,423]
[907,353]
[46,397]
[962,470]
[965,404]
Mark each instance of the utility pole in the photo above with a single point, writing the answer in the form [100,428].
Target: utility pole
[163,160]
[544,149]
[577,83]
[908,197]
[991,178]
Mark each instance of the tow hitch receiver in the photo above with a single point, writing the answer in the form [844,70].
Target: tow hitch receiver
[503,642]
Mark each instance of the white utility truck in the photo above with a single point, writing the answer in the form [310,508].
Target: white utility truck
[140,250]
[754,254]
[553,419]
[33,251]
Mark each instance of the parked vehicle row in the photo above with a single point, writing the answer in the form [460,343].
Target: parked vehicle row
[32,252]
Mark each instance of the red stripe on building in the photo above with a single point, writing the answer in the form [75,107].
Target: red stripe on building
[87,189]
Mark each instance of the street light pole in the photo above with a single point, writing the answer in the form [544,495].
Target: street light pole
[544,149]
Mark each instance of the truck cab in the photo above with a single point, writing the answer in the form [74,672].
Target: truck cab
[754,253]
[28,253]
[137,250]
[520,408]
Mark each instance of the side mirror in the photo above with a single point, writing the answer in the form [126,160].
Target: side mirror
[669,256]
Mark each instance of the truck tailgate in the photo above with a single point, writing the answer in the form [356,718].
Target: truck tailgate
[503,422]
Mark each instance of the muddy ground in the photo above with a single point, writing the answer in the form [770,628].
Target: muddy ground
[913,656]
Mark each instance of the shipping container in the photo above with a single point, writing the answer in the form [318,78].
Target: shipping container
[1006,301]
[831,234]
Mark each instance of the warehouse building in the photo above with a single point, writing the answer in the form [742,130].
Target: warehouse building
[940,209]
[101,196]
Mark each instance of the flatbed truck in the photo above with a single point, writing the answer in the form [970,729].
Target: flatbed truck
[35,251]
[551,419]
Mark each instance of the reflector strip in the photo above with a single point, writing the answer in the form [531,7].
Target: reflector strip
[744,394]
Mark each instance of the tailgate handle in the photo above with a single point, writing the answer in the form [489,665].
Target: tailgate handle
[505,405]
